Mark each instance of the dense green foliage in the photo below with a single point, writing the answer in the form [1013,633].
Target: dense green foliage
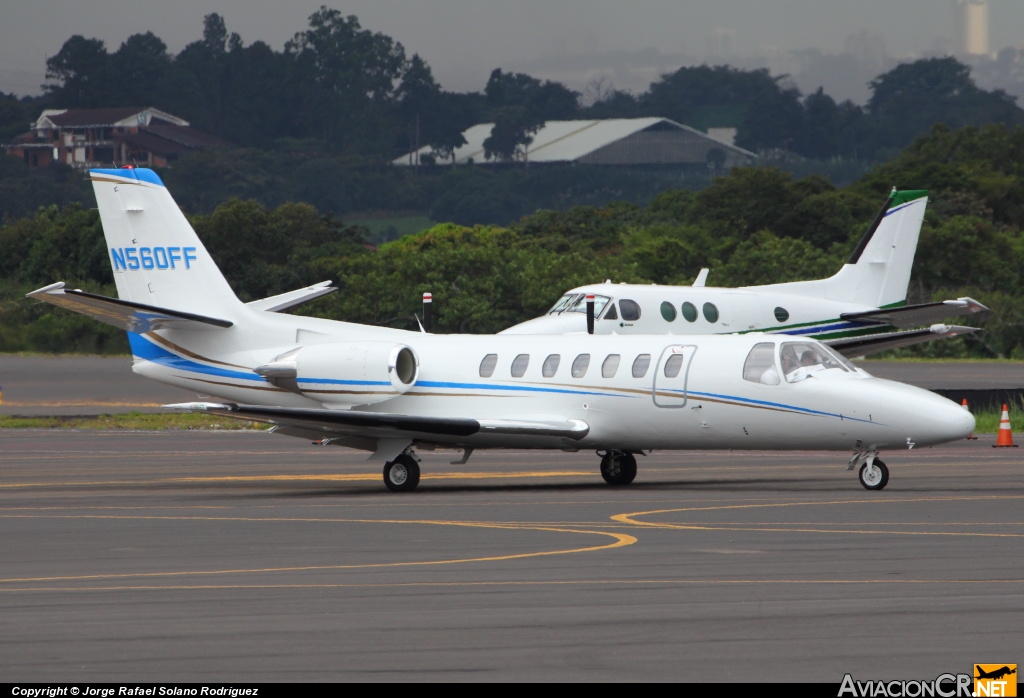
[754,226]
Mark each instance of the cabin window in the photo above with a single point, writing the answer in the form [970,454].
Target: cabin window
[640,365]
[487,365]
[629,309]
[612,314]
[668,311]
[801,360]
[689,311]
[519,365]
[673,365]
[760,365]
[610,366]
[781,314]
[710,312]
[580,365]
[550,365]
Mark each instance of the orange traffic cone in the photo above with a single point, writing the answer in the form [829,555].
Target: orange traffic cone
[971,436]
[1005,437]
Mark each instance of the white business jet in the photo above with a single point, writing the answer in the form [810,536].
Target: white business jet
[860,310]
[389,391]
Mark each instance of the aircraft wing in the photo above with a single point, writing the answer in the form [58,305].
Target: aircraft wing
[917,315]
[127,315]
[376,425]
[292,299]
[852,347]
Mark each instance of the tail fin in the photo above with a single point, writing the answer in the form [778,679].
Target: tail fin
[878,272]
[156,256]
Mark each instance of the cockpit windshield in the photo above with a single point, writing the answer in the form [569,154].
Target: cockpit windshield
[577,303]
[801,360]
[564,302]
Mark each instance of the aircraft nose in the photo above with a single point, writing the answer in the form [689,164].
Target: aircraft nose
[949,421]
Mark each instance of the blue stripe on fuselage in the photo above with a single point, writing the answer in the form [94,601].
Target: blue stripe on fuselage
[144,349]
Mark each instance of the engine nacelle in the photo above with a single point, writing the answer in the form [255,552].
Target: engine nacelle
[346,373]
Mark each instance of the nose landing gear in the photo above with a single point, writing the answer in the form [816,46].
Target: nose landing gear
[873,473]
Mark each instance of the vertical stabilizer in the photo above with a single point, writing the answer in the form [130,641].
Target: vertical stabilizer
[156,256]
[878,272]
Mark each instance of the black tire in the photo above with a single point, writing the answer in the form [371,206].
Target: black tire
[402,474]
[618,468]
[880,478]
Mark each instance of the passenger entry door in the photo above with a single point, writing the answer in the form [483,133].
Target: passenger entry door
[668,388]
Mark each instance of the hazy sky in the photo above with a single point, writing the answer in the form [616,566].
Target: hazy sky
[463,40]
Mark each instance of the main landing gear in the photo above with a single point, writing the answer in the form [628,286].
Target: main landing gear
[618,467]
[402,474]
[873,473]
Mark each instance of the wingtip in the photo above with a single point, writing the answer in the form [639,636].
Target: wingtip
[59,286]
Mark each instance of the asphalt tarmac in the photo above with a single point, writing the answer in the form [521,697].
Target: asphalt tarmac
[216,556]
[85,385]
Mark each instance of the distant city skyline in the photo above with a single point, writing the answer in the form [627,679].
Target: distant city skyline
[583,43]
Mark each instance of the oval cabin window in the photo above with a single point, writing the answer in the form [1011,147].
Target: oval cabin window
[668,311]
[710,312]
[690,312]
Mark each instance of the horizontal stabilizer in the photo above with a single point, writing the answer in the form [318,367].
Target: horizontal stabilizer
[852,347]
[917,315]
[343,423]
[292,299]
[127,315]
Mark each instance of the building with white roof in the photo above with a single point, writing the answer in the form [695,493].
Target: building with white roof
[647,141]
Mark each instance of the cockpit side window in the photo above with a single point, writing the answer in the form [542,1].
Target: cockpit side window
[630,310]
[612,314]
[760,365]
[801,360]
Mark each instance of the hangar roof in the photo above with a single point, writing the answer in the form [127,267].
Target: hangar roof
[566,141]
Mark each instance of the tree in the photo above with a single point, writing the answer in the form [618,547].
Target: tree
[911,98]
[350,76]
[80,67]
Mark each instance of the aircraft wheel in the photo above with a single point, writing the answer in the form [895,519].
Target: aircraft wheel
[618,468]
[877,479]
[402,474]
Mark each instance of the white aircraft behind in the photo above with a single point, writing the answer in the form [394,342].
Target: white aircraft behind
[860,310]
[389,391]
